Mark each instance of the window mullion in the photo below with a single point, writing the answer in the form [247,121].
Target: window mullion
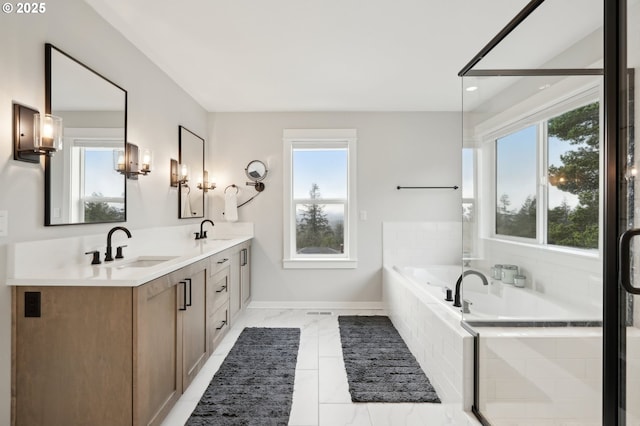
[542,168]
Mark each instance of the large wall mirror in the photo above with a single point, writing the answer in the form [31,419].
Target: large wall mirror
[81,184]
[191,198]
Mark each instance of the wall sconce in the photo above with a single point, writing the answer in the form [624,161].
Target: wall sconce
[35,134]
[126,161]
[205,185]
[179,173]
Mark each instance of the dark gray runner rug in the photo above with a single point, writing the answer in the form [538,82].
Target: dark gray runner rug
[254,385]
[380,367]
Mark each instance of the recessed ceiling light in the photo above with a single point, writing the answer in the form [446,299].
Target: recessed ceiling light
[472,88]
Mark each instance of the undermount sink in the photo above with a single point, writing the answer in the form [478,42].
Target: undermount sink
[142,262]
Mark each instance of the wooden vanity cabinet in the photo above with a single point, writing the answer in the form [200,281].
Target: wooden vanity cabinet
[120,355]
[245,273]
[73,364]
[240,282]
[170,340]
[109,355]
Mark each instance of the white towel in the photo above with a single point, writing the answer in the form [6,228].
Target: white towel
[231,205]
[187,211]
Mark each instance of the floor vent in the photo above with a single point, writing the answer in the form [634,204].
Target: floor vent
[319,313]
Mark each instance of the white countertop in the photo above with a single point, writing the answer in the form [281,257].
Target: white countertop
[78,271]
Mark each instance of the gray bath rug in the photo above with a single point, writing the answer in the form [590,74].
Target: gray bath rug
[254,385]
[380,367]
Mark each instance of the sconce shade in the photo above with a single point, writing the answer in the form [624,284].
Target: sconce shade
[179,173]
[35,134]
[47,133]
[127,161]
[147,161]
[204,184]
[119,161]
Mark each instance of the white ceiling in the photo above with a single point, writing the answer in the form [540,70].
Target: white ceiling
[313,55]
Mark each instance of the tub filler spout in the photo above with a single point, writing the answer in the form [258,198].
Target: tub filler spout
[456,301]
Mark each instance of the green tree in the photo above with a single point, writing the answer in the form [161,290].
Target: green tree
[312,228]
[100,211]
[578,175]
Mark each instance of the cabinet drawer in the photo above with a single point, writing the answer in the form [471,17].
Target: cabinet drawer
[220,261]
[218,325]
[219,293]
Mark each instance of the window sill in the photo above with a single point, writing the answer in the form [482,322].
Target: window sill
[319,264]
[585,253]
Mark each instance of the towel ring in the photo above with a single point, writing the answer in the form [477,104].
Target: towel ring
[232,186]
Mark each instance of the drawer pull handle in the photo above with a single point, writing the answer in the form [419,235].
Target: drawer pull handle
[184,296]
[220,262]
[223,288]
[222,325]
[189,303]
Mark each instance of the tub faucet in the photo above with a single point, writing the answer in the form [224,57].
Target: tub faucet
[108,257]
[203,234]
[456,301]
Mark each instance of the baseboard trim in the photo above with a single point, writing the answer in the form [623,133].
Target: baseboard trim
[316,305]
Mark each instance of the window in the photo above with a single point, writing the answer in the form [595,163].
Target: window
[100,197]
[564,210]
[573,176]
[469,214]
[319,223]
[516,183]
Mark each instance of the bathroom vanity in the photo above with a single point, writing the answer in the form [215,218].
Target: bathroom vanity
[118,344]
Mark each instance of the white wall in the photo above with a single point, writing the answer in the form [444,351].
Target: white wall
[156,106]
[393,149]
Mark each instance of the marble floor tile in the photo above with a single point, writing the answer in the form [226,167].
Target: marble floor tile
[333,384]
[344,415]
[304,409]
[321,391]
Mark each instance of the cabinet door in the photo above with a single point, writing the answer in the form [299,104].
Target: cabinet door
[245,275]
[72,361]
[235,298]
[194,326]
[158,378]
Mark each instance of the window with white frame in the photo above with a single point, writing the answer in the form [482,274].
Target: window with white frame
[561,152]
[319,198]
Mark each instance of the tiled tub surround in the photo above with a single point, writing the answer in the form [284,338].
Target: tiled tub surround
[434,335]
[63,262]
[496,302]
[527,375]
[421,243]
[569,276]
[549,376]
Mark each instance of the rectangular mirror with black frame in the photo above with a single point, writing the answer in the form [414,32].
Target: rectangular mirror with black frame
[190,194]
[81,183]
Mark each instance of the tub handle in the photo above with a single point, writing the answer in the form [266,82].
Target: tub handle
[449,293]
[624,268]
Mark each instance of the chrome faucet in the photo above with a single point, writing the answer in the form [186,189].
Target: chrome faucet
[203,234]
[456,301]
[108,257]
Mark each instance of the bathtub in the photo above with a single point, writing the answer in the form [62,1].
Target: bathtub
[512,359]
[497,304]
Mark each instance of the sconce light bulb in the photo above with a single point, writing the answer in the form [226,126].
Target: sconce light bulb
[634,171]
[47,130]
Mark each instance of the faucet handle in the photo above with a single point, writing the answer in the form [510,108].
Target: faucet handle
[197,235]
[449,293]
[119,252]
[96,257]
